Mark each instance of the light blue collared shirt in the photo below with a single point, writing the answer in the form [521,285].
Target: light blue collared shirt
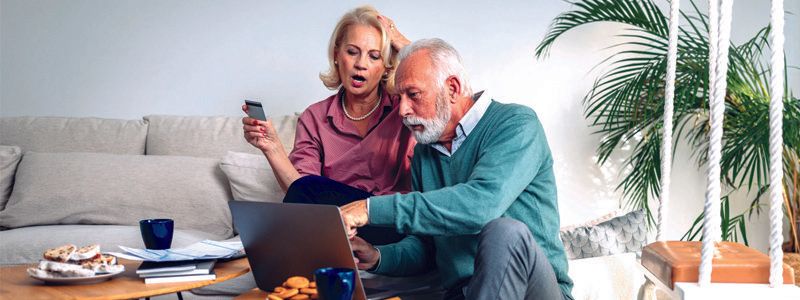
[467,123]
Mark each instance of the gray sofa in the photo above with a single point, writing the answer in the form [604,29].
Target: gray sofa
[89,180]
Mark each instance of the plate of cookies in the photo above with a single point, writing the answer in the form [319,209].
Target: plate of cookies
[295,288]
[69,264]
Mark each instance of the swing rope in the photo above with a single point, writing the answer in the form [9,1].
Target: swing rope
[669,96]
[776,145]
[720,14]
[711,217]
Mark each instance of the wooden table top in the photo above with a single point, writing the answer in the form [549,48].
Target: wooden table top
[16,284]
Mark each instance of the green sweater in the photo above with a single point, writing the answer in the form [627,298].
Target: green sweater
[503,169]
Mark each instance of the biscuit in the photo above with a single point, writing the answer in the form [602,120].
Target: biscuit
[273,297]
[99,262]
[87,252]
[60,254]
[308,291]
[279,289]
[288,293]
[312,284]
[297,282]
[64,269]
[300,297]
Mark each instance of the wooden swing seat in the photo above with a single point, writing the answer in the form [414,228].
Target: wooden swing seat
[678,261]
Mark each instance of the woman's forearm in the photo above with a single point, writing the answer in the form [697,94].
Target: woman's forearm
[282,167]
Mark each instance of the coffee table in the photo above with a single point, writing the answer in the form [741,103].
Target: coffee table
[16,284]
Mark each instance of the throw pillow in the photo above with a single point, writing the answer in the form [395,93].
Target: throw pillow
[621,234]
[251,177]
[9,158]
[112,189]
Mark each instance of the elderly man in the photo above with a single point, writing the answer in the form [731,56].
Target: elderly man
[483,209]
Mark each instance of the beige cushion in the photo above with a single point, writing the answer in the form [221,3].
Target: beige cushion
[207,136]
[251,177]
[9,157]
[98,188]
[607,277]
[55,134]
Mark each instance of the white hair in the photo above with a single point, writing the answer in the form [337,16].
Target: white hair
[446,61]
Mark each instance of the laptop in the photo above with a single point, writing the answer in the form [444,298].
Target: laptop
[283,240]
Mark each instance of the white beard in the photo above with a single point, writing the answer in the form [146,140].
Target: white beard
[432,128]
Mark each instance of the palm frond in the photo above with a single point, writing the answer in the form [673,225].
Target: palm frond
[641,14]
[625,104]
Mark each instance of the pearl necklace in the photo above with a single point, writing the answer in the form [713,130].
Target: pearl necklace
[377,103]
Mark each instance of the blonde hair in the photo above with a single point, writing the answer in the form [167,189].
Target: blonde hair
[364,15]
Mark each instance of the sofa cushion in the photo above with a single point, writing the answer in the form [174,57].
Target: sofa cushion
[618,234]
[617,276]
[56,134]
[26,245]
[251,177]
[99,188]
[207,136]
[9,158]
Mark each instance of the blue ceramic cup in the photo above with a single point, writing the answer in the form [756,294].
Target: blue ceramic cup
[157,233]
[335,283]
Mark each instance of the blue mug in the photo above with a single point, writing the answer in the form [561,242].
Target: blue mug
[335,283]
[157,233]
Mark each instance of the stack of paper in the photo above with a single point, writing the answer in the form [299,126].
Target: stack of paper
[176,271]
[206,249]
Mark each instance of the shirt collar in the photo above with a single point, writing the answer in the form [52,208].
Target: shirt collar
[467,122]
[474,114]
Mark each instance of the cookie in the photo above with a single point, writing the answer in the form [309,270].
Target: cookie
[308,291]
[110,269]
[288,293]
[313,285]
[86,252]
[98,261]
[60,254]
[273,297]
[279,289]
[64,269]
[297,282]
[300,297]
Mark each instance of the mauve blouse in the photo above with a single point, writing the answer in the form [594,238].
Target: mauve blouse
[328,144]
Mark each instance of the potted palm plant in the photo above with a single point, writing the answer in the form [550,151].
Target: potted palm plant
[625,105]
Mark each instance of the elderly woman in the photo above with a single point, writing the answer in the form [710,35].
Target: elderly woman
[353,144]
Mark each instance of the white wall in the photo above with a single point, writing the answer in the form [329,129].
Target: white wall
[127,59]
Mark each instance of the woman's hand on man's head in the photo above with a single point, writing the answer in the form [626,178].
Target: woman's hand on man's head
[396,37]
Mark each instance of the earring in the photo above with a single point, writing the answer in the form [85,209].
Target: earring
[335,62]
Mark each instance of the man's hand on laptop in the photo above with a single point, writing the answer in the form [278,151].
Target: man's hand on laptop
[364,254]
[354,215]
